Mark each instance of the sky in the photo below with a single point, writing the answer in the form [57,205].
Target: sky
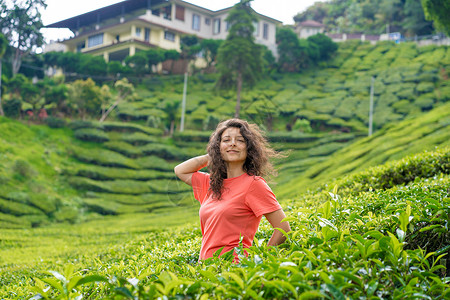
[57,10]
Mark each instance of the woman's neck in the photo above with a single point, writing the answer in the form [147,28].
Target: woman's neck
[234,170]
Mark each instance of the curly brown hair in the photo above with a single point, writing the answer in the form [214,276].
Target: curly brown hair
[257,162]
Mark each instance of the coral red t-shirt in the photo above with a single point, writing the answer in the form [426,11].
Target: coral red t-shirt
[245,199]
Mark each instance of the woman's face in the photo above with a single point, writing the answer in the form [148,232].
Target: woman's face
[233,146]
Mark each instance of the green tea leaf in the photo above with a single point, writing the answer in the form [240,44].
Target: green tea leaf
[335,292]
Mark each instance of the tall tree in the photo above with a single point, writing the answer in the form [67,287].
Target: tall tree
[210,49]
[3,46]
[289,51]
[239,59]
[439,12]
[125,90]
[415,22]
[21,24]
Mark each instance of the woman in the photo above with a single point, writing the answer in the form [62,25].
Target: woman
[233,196]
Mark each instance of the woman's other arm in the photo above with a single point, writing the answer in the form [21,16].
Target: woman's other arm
[274,219]
[185,170]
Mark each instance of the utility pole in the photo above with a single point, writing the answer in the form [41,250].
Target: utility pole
[183,103]
[371,106]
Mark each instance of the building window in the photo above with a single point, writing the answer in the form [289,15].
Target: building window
[170,36]
[167,12]
[138,31]
[147,34]
[81,46]
[208,21]
[256,26]
[196,22]
[179,12]
[266,31]
[155,12]
[216,26]
[95,40]
[227,25]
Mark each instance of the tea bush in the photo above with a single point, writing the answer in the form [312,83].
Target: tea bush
[423,165]
[54,122]
[108,173]
[91,135]
[340,247]
[130,127]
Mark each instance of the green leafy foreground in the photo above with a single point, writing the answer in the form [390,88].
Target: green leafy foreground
[382,235]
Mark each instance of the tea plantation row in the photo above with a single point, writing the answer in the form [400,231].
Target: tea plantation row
[381,238]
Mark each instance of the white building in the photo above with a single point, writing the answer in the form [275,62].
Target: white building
[127,27]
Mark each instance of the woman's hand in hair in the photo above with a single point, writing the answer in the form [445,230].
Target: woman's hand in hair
[185,170]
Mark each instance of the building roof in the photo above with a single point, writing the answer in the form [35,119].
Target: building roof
[310,23]
[106,12]
[124,7]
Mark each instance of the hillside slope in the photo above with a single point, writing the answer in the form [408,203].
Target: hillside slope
[409,80]
[368,240]
[410,136]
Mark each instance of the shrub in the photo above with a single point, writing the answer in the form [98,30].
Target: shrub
[9,221]
[91,135]
[153,122]
[36,220]
[123,148]
[79,124]
[292,137]
[54,122]
[154,162]
[103,158]
[425,87]
[66,214]
[44,202]
[425,101]
[130,127]
[164,151]
[406,93]
[192,136]
[12,107]
[18,209]
[136,138]
[23,169]
[402,106]
[109,173]
[131,187]
[424,165]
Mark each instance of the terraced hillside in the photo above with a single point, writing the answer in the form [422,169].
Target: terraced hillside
[130,171]
[92,170]
[381,235]
[410,136]
[64,175]
[409,80]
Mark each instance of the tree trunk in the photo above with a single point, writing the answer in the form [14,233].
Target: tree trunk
[238,94]
[172,127]
[108,111]
[17,61]
[1,107]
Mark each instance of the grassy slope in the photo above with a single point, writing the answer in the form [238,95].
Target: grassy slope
[338,247]
[398,140]
[24,249]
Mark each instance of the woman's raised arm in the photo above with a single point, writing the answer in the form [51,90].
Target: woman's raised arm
[185,170]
